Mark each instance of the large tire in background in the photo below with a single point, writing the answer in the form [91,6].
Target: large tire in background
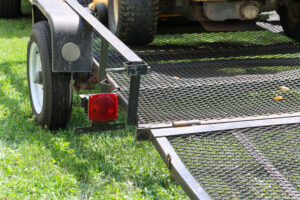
[50,93]
[290,21]
[133,21]
[10,8]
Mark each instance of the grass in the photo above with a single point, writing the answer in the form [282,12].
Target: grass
[247,38]
[25,7]
[38,164]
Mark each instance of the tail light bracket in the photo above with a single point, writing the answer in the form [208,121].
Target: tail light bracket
[96,126]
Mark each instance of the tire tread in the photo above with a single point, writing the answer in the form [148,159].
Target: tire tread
[57,86]
[137,21]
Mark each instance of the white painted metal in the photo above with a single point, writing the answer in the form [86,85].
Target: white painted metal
[116,11]
[36,89]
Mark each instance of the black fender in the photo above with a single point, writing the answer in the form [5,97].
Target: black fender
[66,27]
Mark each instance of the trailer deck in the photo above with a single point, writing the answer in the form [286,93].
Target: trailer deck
[250,147]
[221,108]
[244,163]
[212,76]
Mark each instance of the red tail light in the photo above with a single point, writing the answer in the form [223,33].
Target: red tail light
[103,107]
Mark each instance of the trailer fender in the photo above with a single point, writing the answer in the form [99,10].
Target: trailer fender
[71,36]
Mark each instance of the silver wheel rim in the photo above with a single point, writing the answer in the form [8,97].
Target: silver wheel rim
[36,89]
[116,11]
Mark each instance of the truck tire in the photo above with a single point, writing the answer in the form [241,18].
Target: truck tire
[290,23]
[50,93]
[133,21]
[10,8]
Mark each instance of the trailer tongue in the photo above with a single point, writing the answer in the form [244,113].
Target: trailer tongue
[222,109]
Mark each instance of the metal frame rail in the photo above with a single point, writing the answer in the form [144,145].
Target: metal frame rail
[160,132]
[134,67]
[184,177]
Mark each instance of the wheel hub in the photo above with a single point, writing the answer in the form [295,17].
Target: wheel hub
[35,78]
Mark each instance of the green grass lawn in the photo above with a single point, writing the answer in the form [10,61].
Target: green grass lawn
[25,7]
[40,164]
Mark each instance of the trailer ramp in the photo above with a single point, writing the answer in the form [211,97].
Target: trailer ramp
[258,162]
[245,144]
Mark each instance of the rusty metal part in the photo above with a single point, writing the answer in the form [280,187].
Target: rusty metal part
[226,26]
[250,10]
[87,81]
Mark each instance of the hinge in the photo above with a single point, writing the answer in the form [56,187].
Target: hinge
[168,161]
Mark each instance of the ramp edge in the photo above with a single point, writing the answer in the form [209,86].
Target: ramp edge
[178,170]
[163,132]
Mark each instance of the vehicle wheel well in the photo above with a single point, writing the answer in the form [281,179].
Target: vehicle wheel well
[37,15]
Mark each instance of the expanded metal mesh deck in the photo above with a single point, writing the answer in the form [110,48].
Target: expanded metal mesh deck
[204,76]
[199,75]
[248,163]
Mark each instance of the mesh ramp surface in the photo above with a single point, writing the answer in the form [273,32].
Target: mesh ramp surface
[215,76]
[248,163]
[208,76]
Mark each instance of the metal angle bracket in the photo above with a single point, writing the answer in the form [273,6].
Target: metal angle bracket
[132,68]
[136,68]
[98,127]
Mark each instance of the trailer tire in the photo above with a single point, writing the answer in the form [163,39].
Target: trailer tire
[291,25]
[50,93]
[101,13]
[10,8]
[133,21]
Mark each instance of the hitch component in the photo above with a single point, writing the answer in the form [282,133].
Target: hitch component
[131,68]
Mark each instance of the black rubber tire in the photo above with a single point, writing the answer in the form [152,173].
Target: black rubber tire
[10,8]
[57,87]
[137,21]
[291,25]
[101,13]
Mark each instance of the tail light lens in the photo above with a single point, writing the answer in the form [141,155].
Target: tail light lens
[103,107]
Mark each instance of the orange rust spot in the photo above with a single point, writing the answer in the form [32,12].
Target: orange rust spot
[170,15]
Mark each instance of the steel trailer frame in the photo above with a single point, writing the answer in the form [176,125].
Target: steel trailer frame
[79,22]
[182,174]
[78,28]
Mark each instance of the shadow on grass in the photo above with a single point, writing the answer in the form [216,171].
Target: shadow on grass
[226,68]
[21,28]
[83,156]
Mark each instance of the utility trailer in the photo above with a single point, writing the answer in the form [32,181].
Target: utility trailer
[222,109]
